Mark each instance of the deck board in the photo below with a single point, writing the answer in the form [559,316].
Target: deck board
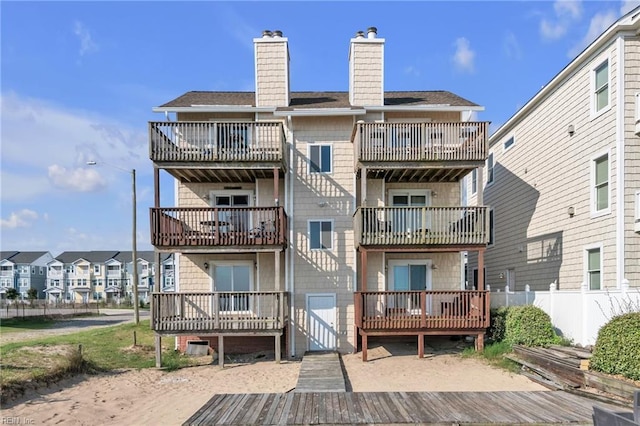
[552,407]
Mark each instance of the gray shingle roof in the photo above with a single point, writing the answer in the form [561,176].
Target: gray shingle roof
[26,257]
[6,255]
[125,256]
[91,256]
[318,99]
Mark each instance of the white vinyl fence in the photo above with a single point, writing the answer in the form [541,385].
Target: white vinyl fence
[576,314]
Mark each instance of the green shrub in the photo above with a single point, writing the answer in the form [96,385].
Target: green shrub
[498,324]
[530,326]
[617,349]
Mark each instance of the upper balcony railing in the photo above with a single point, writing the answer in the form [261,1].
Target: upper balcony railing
[421,142]
[7,273]
[397,226]
[223,142]
[218,226]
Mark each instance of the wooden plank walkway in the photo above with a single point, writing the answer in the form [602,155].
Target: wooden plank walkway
[503,408]
[320,372]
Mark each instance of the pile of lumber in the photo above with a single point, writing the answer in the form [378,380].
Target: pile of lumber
[567,368]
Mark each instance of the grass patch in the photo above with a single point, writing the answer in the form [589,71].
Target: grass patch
[494,355]
[49,359]
[13,325]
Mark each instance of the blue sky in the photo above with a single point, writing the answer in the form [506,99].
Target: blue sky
[79,81]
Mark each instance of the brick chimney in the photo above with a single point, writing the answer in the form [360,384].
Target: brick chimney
[272,69]
[366,69]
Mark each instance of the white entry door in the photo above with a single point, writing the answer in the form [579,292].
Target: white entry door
[322,319]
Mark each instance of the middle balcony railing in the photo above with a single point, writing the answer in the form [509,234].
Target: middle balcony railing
[218,226]
[410,226]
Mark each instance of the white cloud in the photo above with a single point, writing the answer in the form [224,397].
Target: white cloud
[87,45]
[77,180]
[464,57]
[599,23]
[566,12]
[63,136]
[19,219]
[411,70]
[512,47]
[628,6]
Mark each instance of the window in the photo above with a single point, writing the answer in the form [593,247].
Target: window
[33,270]
[319,158]
[508,143]
[601,86]
[600,194]
[491,228]
[490,168]
[321,235]
[24,282]
[234,278]
[96,269]
[594,268]
[474,181]
[41,270]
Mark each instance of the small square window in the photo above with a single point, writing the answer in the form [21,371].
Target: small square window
[321,235]
[508,143]
[319,158]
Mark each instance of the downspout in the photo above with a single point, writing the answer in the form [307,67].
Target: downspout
[620,160]
[289,277]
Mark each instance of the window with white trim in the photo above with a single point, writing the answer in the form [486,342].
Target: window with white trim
[508,143]
[320,234]
[236,278]
[96,269]
[601,86]
[490,168]
[320,158]
[600,179]
[594,268]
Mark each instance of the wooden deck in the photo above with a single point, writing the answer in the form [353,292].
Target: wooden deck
[321,372]
[512,408]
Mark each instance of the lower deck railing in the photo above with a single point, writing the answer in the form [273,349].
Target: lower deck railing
[219,311]
[422,310]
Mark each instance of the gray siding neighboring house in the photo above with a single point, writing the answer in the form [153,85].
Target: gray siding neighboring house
[563,176]
[24,270]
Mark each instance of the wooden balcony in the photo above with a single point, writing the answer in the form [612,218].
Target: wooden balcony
[387,227]
[419,152]
[210,229]
[219,312]
[218,151]
[439,312]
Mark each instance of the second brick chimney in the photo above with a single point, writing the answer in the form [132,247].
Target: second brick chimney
[366,69]
[272,69]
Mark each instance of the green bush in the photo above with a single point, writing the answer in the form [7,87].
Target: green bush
[497,325]
[617,349]
[530,326]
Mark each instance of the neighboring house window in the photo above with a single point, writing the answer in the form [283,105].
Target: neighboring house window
[600,195]
[594,268]
[319,158]
[508,143]
[490,168]
[320,235]
[474,181]
[601,86]
[33,270]
[491,228]
[96,269]
[41,270]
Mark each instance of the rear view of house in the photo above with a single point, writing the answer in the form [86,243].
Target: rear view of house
[313,220]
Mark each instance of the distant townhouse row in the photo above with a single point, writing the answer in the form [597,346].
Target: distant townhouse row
[82,276]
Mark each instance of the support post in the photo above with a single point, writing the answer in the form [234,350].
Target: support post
[363,269]
[277,348]
[158,339]
[364,347]
[481,270]
[276,186]
[277,271]
[221,350]
[480,342]
[420,345]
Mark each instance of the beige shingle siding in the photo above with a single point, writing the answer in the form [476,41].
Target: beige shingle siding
[367,73]
[632,157]
[321,271]
[272,62]
[543,174]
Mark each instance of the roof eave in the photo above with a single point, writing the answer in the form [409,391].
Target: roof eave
[214,108]
[628,24]
[319,112]
[435,107]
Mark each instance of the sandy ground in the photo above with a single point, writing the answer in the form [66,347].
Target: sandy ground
[156,397]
